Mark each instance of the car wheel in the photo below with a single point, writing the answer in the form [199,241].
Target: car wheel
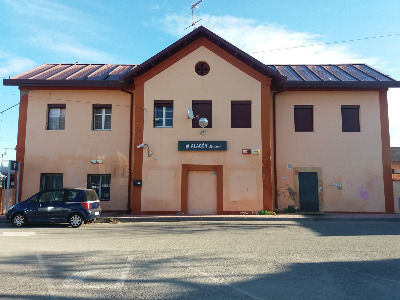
[19,220]
[75,220]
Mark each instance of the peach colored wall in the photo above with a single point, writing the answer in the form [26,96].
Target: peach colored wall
[242,188]
[70,151]
[349,163]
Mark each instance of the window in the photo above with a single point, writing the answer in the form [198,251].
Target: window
[241,114]
[56,117]
[50,180]
[202,109]
[101,184]
[52,196]
[303,118]
[350,118]
[163,114]
[101,117]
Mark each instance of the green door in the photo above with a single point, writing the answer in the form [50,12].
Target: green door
[308,191]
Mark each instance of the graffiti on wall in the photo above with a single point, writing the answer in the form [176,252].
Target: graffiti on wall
[364,186]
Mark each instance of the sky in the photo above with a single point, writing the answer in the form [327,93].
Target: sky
[34,32]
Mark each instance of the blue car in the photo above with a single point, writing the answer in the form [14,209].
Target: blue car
[62,205]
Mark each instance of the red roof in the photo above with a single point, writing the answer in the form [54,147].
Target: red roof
[295,76]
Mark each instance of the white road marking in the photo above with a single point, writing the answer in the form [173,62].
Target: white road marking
[47,279]
[18,233]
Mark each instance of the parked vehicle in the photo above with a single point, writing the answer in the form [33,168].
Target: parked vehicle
[62,205]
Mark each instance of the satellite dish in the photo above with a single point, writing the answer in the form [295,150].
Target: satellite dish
[190,113]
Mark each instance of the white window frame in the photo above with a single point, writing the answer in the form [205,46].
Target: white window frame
[103,115]
[56,118]
[164,118]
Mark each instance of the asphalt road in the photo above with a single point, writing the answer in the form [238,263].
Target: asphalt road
[302,259]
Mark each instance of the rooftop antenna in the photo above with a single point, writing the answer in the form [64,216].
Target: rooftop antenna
[193,6]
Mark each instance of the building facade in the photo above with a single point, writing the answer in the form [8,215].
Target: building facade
[204,128]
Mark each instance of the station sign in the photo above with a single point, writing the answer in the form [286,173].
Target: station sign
[202,146]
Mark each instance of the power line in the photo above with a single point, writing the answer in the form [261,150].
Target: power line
[331,43]
[1,112]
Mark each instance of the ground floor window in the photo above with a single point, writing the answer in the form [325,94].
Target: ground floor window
[101,184]
[50,180]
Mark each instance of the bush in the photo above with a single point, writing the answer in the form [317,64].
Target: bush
[292,209]
[266,212]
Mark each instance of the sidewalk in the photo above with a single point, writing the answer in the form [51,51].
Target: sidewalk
[116,217]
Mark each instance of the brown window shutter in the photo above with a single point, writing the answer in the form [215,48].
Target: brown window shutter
[241,114]
[350,118]
[303,118]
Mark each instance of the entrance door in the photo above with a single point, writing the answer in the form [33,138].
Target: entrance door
[202,192]
[308,191]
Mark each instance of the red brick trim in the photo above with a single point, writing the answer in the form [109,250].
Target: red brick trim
[136,198]
[386,160]
[23,113]
[268,202]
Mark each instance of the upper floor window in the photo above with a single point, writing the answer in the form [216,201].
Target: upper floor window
[240,114]
[163,114]
[56,117]
[303,118]
[202,109]
[350,118]
[101,117]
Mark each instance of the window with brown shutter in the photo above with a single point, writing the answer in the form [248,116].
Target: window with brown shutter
[202,109]
[240,114]
[350,118]
[303,118]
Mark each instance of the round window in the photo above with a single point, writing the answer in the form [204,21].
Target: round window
[202,68]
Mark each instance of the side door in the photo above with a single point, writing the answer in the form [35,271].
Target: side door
[308,191]
[51,206]
[31,207]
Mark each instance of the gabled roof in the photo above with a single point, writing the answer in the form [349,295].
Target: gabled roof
[202,32]
[289,76]
[395,154]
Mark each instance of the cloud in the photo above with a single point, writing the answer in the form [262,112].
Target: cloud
[60,31]
[269,43]
[11,65]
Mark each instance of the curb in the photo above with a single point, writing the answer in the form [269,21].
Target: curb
[253,218]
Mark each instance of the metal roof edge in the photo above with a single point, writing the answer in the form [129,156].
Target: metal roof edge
[343,84]
[62,83]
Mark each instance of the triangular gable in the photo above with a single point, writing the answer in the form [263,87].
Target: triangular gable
[204,37]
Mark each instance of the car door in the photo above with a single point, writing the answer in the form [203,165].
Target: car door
[51,206]
[31,206]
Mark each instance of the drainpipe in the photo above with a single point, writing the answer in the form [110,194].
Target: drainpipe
[130,148]
[274,141]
